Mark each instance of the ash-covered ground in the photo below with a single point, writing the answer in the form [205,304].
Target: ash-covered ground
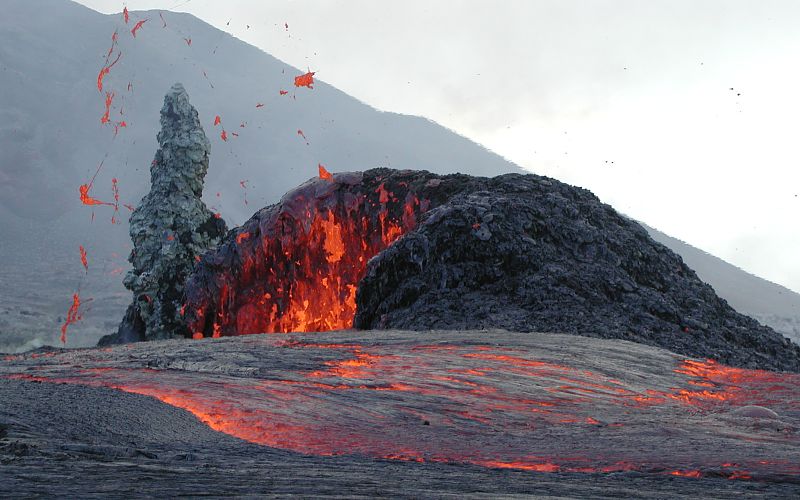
[394,413]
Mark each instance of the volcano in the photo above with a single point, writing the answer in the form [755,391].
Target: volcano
[419,251]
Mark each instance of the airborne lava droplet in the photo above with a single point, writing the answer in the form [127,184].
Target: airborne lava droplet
[125,14]
[73,316]
[88,200]
[137,27]
[306,80]
[162,20]
[84,260]
[217,120]
[324,174]
[109,99]
[188,41]
[283,92]
[224,136]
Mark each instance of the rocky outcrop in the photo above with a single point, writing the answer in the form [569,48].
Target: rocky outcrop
[171,227]
[520,252]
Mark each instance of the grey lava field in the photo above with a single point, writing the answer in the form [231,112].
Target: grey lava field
[390,413]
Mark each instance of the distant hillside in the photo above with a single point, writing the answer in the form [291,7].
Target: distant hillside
[769,303]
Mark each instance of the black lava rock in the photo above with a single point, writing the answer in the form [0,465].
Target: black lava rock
[528,253]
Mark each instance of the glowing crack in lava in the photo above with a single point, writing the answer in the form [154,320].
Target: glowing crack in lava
[298,263]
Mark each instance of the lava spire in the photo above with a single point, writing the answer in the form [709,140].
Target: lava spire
[171,227]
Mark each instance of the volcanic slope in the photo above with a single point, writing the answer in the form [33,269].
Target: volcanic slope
[388,413]
[416,250]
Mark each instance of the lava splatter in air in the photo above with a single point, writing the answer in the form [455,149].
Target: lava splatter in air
[161,15]
[88,200]
[138,26]
[109,99]
[324,174]
[73,316]
[125,15]
[306,80]
[84,260]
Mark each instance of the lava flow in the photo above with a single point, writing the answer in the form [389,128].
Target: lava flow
[301,263]
[536,404]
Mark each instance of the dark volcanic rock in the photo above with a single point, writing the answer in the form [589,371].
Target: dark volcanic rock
[171,227]
[520,252]
[528,253]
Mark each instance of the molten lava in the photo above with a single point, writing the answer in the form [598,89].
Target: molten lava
[300,270]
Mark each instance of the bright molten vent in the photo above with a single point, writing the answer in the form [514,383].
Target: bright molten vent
[295,266]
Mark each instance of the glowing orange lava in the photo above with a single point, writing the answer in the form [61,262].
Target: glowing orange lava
[323,173]
[306,280]
[306,80]
[73,316]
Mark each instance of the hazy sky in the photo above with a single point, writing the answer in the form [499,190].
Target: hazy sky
[680,113]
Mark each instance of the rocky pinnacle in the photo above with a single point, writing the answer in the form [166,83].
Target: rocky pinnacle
[171,227]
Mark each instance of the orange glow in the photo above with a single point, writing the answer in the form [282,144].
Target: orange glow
[242,236]
[542,467]
[306,80]
[324,174]
[687,473]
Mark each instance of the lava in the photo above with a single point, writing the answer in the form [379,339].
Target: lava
[137,27]
[323,173]
[84,260]
[125,14]
[73,316]
[109,99]
[306,80]
[88,200]
[400,401]
[301,274]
